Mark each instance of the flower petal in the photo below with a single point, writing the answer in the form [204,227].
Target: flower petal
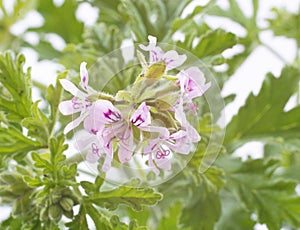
[108,160]
[151,45]
[173,59]
[163,163]
[141,116]
[197,76]
[92,124]
[67,107]
[73,124]
[105,112]
[71,88]
[84,76]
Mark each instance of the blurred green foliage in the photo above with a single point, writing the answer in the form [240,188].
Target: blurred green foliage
[40,183]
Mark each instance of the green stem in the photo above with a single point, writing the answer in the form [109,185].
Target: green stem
[298,94]
[39,85]
[274,52]
[86,172]
[3,9]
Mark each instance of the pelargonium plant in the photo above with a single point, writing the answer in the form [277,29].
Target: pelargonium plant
[127,122]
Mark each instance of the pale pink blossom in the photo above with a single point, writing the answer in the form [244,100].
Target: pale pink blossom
[159,149]
[171,58]
[112,127]
[192,83]
[80,102]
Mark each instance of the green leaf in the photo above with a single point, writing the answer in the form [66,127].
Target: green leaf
[171,220]
[79,222]
[273,200]
[102,222]
[99,39]
[133,197]
[251,41]
[234,216]
[60,24]
[41,163]
[214,42]
[262,116]
[142,18]
[14,142]
[204,208]
[37,125]
[16,103]
[286,24]
[57,148]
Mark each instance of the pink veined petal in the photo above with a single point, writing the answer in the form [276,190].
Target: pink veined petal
[163,163]
[92,124]
[84,76]
[173,59]
[151,146]
[141,116]
[125,138]
[156,55]
[71,88]
[105,136]
[106,112]
[91,157]
[67,108]
[197,76]
[73,124]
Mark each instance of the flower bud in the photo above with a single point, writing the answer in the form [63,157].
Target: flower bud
[55,212]
[66,203]
[69,214]
[156,70]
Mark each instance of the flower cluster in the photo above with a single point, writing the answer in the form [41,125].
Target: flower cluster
[148,118]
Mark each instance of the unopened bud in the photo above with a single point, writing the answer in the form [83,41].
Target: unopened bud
[55,212]
[66,203]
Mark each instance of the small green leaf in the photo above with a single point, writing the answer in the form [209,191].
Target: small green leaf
[214,42]
[133,197]
[18,102]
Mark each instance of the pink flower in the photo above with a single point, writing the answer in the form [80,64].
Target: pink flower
[110,126]
[192,134]
[171,58]
[159,149]
[192,83]
[80,102]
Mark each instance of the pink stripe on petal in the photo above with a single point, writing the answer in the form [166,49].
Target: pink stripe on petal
[67,108]
[84,76]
